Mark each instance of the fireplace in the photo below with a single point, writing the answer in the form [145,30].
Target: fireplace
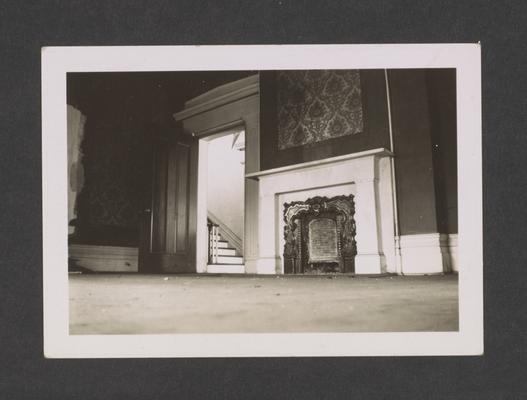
[365,176]
[319,235]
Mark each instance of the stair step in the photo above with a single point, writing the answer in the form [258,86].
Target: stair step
[226,269]
[234,260]
[226,251]
[222,243]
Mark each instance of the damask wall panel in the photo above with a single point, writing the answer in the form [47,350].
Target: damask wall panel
[126,115]
[115,171]
[317,105]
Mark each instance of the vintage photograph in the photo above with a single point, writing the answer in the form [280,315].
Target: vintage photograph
[262,201]
[274,201]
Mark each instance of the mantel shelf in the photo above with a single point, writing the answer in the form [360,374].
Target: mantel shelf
[377,152]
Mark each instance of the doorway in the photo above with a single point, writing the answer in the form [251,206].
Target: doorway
[221,202]
[230,109]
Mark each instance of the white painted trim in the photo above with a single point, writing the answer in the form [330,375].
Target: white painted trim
[105,258]
[398,261]
[331,160]
[202,233]
[452,250]
[429,253]
[226,233]
[227,106]
[222,251]
[233,127]
[230,260]
[365,174]
[420,240]
[267,265]
[225,269]
[220,96]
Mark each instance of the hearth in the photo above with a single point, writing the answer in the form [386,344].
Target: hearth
[319,235]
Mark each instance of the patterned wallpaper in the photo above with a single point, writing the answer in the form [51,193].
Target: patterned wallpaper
[115,167]
[317,105]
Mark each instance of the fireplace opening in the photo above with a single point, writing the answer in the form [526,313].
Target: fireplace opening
[319,235]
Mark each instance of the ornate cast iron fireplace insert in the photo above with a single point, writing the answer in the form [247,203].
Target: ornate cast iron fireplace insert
[319,235]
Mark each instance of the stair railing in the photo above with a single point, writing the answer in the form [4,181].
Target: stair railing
[226,233]
[214,233]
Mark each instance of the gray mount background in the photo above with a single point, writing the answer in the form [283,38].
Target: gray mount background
[500,26]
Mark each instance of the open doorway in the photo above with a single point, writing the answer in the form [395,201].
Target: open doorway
[230,109]
[221,201]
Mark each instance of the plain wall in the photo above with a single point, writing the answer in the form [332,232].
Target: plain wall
[225,183]
[413,151]
[441,86]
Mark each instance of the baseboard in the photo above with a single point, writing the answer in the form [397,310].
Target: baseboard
[370,264]
[452,251]
[104,258]
[431,253]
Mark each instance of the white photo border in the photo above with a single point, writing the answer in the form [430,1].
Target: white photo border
[58,61]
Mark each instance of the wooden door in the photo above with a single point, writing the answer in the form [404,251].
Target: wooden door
[168,222]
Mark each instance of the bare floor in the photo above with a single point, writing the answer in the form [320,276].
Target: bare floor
[143,304]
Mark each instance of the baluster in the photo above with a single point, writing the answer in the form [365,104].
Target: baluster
[213,240]
[209,226]
[214,232]
[215,243]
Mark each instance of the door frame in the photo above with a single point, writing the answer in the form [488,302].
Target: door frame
[231,106]
[202,234]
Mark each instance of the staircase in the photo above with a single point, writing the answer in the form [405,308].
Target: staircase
[223,256]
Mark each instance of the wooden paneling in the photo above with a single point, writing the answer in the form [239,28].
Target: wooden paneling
[159,207]
[104,258]
[182,197]
[171,187]
[169,250]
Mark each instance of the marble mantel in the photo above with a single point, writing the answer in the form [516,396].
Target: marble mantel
[366,175]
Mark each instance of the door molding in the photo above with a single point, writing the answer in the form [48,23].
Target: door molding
[233,106]
[220,96]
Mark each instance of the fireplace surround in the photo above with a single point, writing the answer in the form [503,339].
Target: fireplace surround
[364,175]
